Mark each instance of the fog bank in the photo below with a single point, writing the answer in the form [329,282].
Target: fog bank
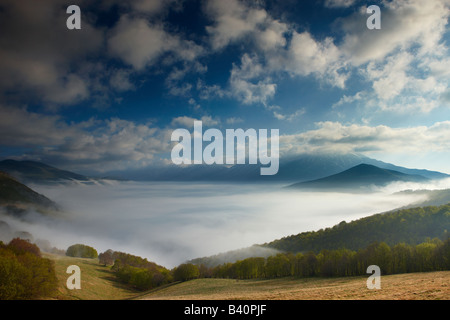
[169,223]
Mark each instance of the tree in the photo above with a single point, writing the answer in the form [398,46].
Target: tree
[24,274]
[81,251]
[106,258]
[185,271]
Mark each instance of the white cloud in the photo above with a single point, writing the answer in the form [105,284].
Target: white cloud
[234,120]
[137,42]
[289,117]
[339,3]
[188,122]
[233,20]
[336,137]
[403,24]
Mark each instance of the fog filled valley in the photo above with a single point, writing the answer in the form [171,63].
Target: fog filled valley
[172,222]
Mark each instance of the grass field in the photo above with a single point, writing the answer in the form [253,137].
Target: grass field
[419,286]
[98,283]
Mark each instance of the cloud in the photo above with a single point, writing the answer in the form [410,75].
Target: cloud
[339,3]
[41,61]
[404,24]
[188,122]
[94,145]
[137,42]
[336,137]
[289,117]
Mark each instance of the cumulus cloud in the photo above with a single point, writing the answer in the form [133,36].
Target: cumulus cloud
[404,24]
[140,44]
[40,60]
[97,145]
[406,57]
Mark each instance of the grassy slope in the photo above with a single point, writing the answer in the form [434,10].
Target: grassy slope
[420,286]
[98,283]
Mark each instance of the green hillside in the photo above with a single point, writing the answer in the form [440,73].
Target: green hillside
[411,226]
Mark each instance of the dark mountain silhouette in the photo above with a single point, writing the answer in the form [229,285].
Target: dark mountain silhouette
[33,171]
[292,169]
[359,177]
[16,198]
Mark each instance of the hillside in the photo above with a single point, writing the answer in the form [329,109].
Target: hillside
[33,171]
[17,197]
[359,177]
[410,286]
[411,226]
[97,282]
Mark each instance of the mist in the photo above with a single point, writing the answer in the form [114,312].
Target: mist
[170,223]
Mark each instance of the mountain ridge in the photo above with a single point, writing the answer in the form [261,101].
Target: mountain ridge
[33,171]
[361,176]
[16,198]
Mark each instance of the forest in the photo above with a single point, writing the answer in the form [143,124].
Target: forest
[433,255]
[411,226]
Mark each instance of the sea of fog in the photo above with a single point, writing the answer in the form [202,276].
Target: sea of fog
[169,223]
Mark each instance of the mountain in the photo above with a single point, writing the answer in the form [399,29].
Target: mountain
[359,177]
[292,169]
[17,198]
[33,171]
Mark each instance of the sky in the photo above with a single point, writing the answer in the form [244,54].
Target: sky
[108,96]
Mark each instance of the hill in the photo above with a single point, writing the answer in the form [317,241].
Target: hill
[359,177]
[17,198]
[33,171]
[411,226]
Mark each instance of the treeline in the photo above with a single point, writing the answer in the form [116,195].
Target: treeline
[24,273]
[411,226]
[433,255]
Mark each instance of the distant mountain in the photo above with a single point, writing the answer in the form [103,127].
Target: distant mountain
[33,171]
[359,177]
[235,255]
[292,169]
[16,198]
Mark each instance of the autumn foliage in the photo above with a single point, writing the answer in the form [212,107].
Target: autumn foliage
[24,274]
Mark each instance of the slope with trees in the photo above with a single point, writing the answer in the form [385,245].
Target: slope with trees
[411,226]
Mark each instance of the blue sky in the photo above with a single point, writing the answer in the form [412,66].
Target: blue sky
[108,96]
